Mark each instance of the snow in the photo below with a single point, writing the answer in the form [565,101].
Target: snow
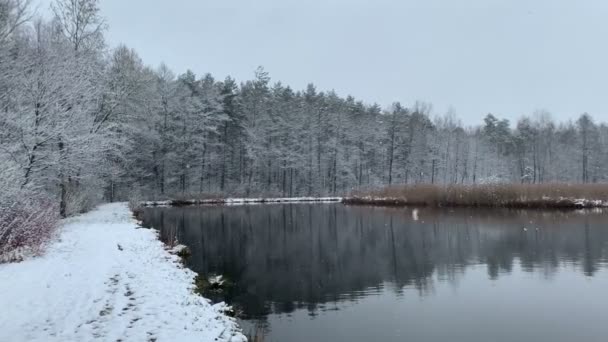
[239,201]
[216,280]
[105,280]
[585,203]
[178,249]
[282,200]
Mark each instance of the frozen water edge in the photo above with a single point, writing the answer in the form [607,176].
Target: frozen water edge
[105,280]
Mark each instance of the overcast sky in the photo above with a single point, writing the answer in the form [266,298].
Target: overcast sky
[508,57]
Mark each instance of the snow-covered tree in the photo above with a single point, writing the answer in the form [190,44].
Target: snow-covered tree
[80,120]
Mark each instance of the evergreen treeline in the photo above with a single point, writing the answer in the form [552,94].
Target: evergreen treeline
[80,121]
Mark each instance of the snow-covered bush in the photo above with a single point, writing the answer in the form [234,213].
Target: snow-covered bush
[27,222]
[83,196]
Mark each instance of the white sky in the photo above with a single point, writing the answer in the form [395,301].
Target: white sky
[508,57]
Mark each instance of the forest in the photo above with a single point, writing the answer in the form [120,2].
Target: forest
[82,122]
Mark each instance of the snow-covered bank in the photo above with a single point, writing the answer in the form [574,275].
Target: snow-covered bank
[104,280]
[241,201]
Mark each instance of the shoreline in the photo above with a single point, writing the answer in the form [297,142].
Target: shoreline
[239,201]
[104,277]
[557,196]
[543,204]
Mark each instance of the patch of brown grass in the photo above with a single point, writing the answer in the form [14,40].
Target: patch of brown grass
[495,195]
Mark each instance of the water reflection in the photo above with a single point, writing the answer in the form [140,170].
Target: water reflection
[302,256]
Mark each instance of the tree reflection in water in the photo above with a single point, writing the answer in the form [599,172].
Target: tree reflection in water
[303,256]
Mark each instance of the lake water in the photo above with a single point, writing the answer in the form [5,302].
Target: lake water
[330,272]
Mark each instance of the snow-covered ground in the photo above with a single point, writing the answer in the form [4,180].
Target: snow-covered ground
[105,280]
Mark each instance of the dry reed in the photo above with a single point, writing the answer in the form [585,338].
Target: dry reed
[495,195]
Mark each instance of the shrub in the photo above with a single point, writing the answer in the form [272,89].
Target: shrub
[26,226]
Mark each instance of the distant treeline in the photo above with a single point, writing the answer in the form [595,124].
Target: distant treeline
[80,121]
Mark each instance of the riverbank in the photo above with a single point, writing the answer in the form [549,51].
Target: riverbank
[103,279]
[524,196]
[236,201]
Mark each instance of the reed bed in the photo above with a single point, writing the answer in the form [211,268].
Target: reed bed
[559,196]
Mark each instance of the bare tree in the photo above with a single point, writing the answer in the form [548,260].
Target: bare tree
[80,22]
[13,14]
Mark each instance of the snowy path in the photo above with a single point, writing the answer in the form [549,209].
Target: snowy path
[104,280]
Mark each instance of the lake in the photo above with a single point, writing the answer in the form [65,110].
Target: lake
[331,272]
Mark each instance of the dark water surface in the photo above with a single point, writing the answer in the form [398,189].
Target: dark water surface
[329,272]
